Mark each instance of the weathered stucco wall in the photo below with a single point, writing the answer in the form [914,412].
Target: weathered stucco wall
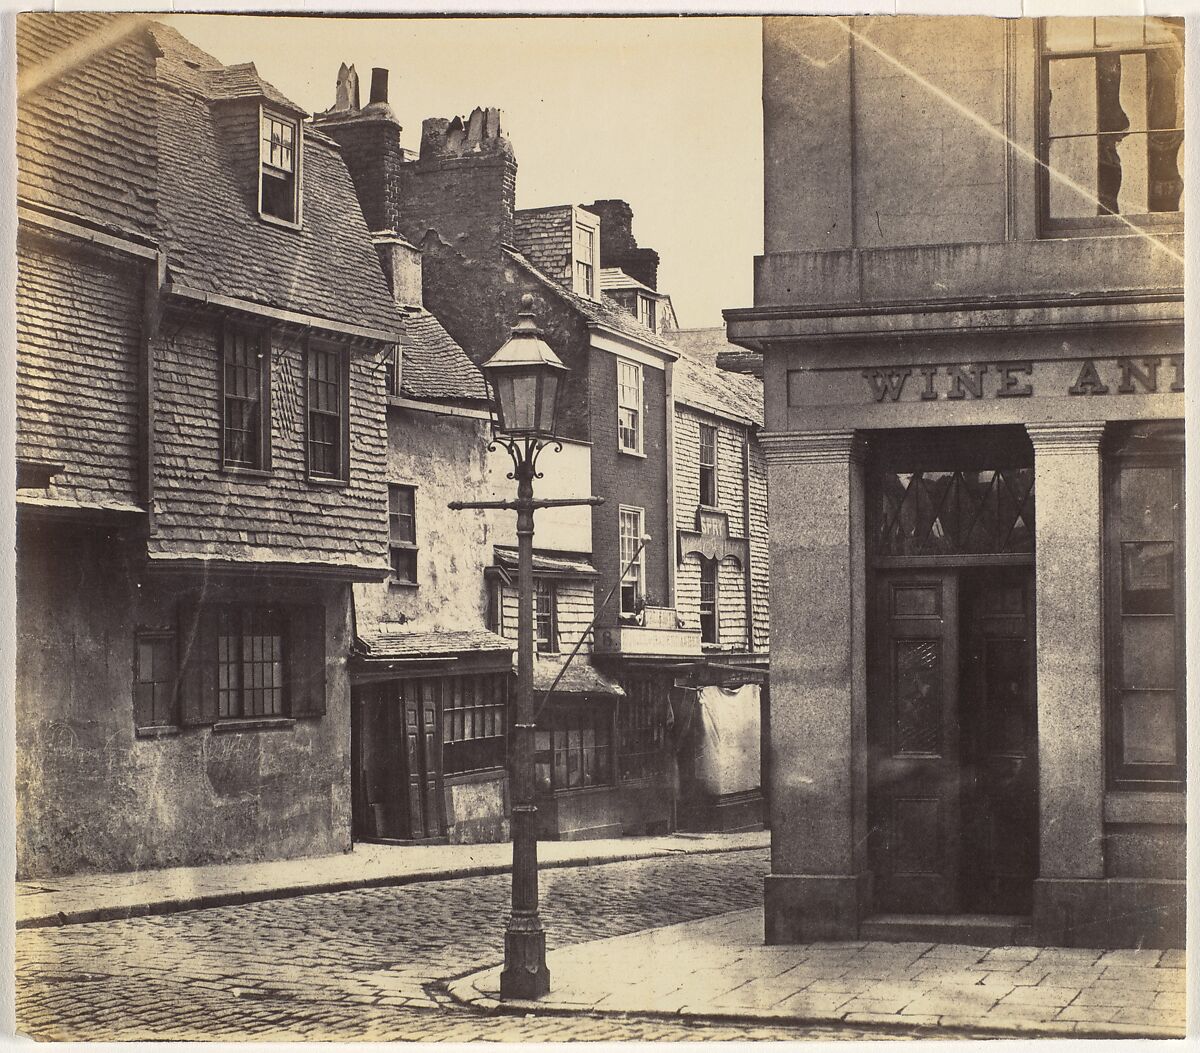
[94,796]
[443,457]
[566,473]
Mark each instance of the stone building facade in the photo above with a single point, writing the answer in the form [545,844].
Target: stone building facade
[974,435]
[200,439]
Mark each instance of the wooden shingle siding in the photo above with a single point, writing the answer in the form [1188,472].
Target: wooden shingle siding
[78,332]
[575,610]
[86,139]
[201,509]
[543,236]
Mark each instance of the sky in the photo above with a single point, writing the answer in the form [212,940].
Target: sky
[663,112]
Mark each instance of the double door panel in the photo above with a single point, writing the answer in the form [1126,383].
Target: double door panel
[952,741]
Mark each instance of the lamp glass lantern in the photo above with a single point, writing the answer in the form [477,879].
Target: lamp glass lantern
[525,376]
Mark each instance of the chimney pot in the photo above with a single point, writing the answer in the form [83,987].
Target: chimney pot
[379,85]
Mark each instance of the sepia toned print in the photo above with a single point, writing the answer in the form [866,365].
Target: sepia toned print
[403,651]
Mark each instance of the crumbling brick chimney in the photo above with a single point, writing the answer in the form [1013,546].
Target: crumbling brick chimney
[618,247]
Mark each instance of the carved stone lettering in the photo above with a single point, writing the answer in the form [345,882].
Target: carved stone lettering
[1147,377]
[1177,364]
[964,380]
[1088,381]
[1011,386]
[886,384]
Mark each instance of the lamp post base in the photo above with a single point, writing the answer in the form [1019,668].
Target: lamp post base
[525,975]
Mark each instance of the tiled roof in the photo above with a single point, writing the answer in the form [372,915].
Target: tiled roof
[243,82]
[506,556]
[699,382]
[214,238]
[580,678]
[374,644]
[605,311]
[615,278]
[433,365]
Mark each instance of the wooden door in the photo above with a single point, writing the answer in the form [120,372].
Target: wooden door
[999,741]
[913,738]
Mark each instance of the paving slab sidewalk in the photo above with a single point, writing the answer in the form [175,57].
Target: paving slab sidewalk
[719,969]
[100,897]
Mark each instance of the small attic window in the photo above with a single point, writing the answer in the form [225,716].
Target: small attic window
[278,182]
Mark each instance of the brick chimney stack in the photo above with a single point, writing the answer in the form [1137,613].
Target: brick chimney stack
[618,247]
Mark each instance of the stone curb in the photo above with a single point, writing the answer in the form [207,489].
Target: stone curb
[233,898]
[464,991]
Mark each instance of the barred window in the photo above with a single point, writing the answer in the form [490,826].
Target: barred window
[250,657]
[154,696]
[474,722]
[246,394]
[573,748]
[327,413]
[708,465]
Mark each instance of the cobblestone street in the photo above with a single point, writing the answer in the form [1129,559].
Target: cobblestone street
[364,964]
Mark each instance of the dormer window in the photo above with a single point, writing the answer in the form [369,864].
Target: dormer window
[647,312]
[279,168]
[585,271]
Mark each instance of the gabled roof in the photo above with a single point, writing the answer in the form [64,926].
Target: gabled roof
[243,82]
[615,278]
[433,365]
[604,311]
[208,221]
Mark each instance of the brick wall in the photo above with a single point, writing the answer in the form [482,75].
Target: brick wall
[94,796]
[86,139]
[544,236]
[202,510]
[78,338]
[372,151]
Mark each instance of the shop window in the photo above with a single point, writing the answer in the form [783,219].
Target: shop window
[708,465]
[279,185]
[573,748]
[642,729]
[938,513]
[633,556]
[1145,586]
[709,571]
[402,533]
[154,694]
[629,406]
[1111,118]
[474,723]
[246,394]
[546,616]
[328,413]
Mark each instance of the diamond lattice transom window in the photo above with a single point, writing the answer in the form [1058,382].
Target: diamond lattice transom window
[948,513]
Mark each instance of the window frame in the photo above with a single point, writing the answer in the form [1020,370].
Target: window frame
[483,699]
[647,311]
[244,612]
[314,349]
[398,545]
[639,567]
[713,616]
[638,429]
[711,468]
[1169,777]
[168,639]
[263,335]
[562,718]
[584,273]
[1050,226]
[545,590]
[266,168]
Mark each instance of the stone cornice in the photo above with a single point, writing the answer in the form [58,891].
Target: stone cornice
[1063,438]
[811,447]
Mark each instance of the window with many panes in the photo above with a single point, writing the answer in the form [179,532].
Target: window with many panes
[709,571]
[546,615]
[1111,117]
[573,747]
[629,406]
[1145,588]
[250,662]
[402,532]
[642,728]
[632,556]
[585,270]
[154,679]
[279,167]
[708,465]
[246,394]
[327,413]
[474,722]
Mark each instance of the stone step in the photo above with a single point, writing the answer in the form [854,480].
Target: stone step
[980,930]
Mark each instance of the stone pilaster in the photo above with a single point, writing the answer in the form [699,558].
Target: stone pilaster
[1070,896]
[819,882]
